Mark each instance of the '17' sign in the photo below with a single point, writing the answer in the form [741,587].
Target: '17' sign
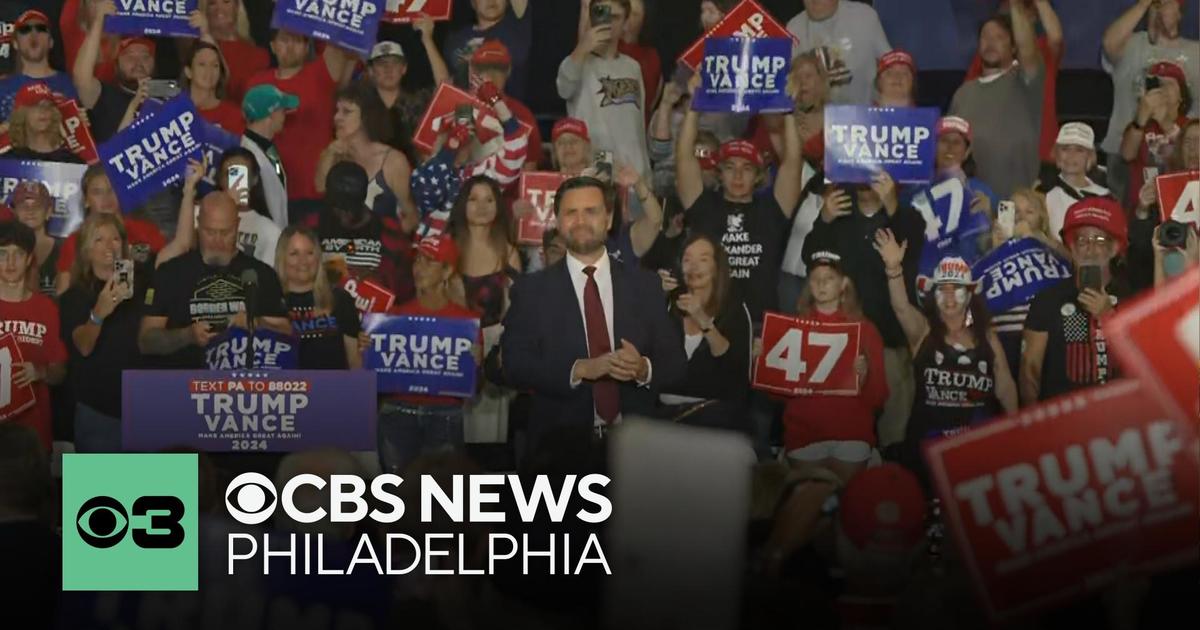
[538,188]
[805,357]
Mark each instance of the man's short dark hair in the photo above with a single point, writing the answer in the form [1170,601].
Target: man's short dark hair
[1004,22]
[584,181]
[16,233]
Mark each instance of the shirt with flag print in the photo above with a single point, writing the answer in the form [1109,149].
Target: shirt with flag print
[1077,352]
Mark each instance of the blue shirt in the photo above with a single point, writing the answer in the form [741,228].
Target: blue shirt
[59,82]
[515,33]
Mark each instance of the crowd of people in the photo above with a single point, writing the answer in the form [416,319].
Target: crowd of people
[676,232]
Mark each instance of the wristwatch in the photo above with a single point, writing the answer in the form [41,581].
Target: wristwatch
[99,321]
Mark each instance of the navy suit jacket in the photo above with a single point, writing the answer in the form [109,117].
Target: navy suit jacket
[544,335]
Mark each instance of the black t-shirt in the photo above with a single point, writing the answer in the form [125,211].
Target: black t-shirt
[321,346]
[754,235]
[187,290]
[96,378]
[1077,353]
[105,116]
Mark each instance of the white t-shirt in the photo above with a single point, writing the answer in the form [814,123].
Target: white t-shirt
[853,39]
[1060,198]
[257,236]
[608,95]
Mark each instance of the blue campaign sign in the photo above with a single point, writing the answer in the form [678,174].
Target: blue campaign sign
[272,351]
[952,227]
[351,24]
[61,179]
[163,18]
[861,141]
[744,74]
[281,411]
[422,355]
[1015,272]
[216,141]
[151,154]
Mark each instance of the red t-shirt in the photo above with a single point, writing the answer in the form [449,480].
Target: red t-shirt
[522,113]
[647,58]
[413,307]
[244,60]
[35,324]
[225,115]
[1049,98]
[73,36]
[143,237]
[811,419]
[309,129]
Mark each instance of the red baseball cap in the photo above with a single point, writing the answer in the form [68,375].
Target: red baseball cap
[493,52]
[440,248]
[126,42]
[895,57]
[32,93]
[954,124]
[569,125]
[883,508]
[1170,71]
[739,149]
[30,190]
[1100,212]
[32,15]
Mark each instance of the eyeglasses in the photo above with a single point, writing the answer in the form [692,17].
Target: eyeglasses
[1095,239]
[26,29]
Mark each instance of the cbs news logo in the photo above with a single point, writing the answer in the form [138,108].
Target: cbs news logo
[129,522]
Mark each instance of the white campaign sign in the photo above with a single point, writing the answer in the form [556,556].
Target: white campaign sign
[951,188]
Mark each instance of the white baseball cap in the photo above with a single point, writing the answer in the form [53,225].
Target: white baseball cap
[1078,134]
[386,49]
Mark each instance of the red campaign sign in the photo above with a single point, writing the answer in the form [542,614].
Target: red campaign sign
[13,400]
[1157,339]
[406,11]
[77,133]
[368,296]
[747,19]
[1068,496]
[802,357]
[538,188]
[441,108]
[1179,197]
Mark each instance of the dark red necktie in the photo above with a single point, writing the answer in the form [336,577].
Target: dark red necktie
[604,391]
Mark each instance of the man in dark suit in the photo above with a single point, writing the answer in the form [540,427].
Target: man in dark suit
[588,335]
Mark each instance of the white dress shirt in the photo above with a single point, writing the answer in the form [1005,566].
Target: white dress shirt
[603,277]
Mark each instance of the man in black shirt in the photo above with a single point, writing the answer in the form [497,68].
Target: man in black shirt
[847,227]
[752,228]
[108,102]
[1065,346]
[198,295]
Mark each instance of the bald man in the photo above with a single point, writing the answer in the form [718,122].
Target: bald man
[198,295]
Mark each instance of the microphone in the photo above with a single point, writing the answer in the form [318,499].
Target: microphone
[250,289]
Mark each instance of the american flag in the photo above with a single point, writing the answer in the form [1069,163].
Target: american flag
[1079,334]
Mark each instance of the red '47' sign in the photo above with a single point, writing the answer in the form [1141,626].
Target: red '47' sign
[538,188]
[13,400]
[1179,197]
[1067,496]
[747,19]
[404,11]
[806,357]
[1157,338]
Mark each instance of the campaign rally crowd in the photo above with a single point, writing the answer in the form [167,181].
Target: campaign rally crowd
[675,234]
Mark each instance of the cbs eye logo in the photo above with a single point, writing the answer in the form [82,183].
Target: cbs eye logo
[251,498]
[102,522]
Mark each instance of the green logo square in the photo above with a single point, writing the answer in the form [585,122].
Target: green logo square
[129,522]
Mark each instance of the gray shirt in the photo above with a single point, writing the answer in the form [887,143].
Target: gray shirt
[1005,113]
[608,95]
[1128,77]
[852,40]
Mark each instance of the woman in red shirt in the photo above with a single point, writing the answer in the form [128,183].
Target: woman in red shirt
[229,26]
[836,432]
[411,424]
[32,320]
[206,78]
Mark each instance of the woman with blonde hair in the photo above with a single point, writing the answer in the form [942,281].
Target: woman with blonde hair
[229,26]
[35,126]
[100,319]
[323,317]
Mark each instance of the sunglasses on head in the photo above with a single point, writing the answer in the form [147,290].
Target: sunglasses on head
[26,29]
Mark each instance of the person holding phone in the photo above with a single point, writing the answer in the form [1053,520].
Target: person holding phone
[1065,346]
[1157,126]
[238,176]
[100,316]
[108,102]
